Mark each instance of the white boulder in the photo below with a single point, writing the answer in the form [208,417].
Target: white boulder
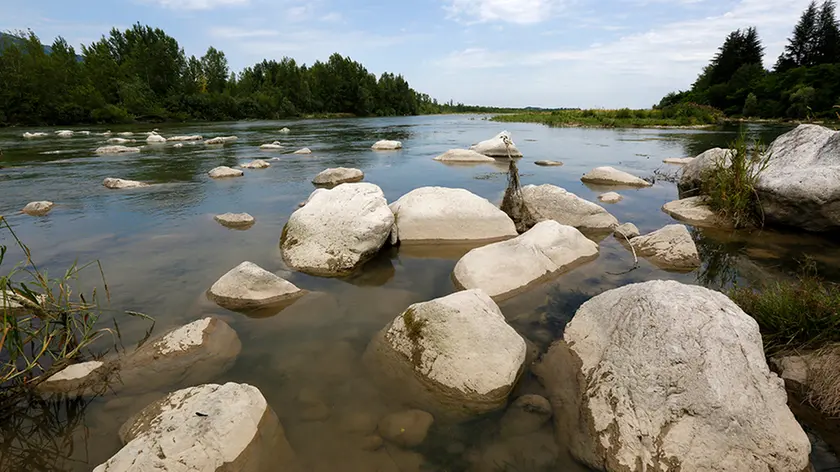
[155,139]
[339,175]
[680,161]
[284,130]
[695,211]
[496,147]
[178,145]
[125,133]
[548,202]
[34,135]
[549,163]
[65,133]
[435,214]
[76,378]
[669,248]
[463,155]
[626,230]
[249,286]
[191,137]
[610,197]
[225,172]
[303,151]
[38,208]
[695,171]
[119,141]
[272,146]
[114,183]
[221,140]
[117,150]
[455,357]
[611,176]
[666,376]
[386,145]
[235,220]
[212,428]
[337,230]
[507,268]
[256,164]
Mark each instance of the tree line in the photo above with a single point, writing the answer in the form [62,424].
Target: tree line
[803,84]
[143,74]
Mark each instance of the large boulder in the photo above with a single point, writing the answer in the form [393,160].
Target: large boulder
[506,268]
[249,286]
[338,175]
[612,176]
[549,202]
[85,378]
[454,156]
[214,428]
[337,230]
[696,212]
[669,248]
[455,357]
[801,184]
[155,138]
[700,166]
[496,146]
[436,214]
[38,208]
[117,184]
[665,376]
[386,145]
[224,172]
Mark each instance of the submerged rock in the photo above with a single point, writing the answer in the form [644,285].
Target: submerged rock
[463,155]
[34,135]
[303,151]
[225,172]
[272,146]
[455,357]
[666,376]
[680,161]
[284,130]
[626,230]
[506,268]
[155,138]
[406,428]
[117,150]
[126,133]
[221,140]
[235,220]
[38,208]
[339,175]
[610,197]
[256,164]
[496,147]
[65,133]
[209,428]
[337,230]
[119,141]
[436,214]
[78,377]
[669,248]
[386,145]
[694,171]
[695,211]
[611,176]
[193,137]
[549,163]
[114,183]
[527,414]
[249,286]
[548,202]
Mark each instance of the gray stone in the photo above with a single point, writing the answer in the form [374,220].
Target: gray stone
[248,286]
[626,230]
[700,166]
[463,155]
[669,248]
[256,164]
[338,175]
[225,172]
[38,208]
[386,145]
[549,163]
[525,415]
[610,197]
[117,184]
[696,212]
[611,176]
[548,202]
[496,147]
[235,220]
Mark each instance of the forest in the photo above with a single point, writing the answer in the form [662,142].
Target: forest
[142,74]
[804,83]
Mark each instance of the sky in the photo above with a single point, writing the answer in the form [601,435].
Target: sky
[546,53]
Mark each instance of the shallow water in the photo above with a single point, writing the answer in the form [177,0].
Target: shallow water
[161,250]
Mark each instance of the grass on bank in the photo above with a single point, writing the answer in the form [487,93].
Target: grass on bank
[683,114]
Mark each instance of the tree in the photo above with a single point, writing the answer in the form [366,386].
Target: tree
[214,65]
[827,36]
[800,49]
[750,105]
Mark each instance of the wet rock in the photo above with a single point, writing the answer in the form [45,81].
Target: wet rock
[680,161]
[65,133]
[223,172]
[612,176]
[626,230]
[248,286]
[610,197]
[386,145]
[455,356]
[463,155]
[38,208]
[357,423]
[303,151]
[117,150]
[155,139]
[549,163]
[672,377]
[126,133]
[178,145]
[235,220]
[537,451]
[495,146]
[193,137]
[669,248]
[337,230]
[435,214]
[318,411]
[507,268]
[371,443]
[339,175]
[221,140]
[793,369]
[77,377]
[9,304]
[119,141]
[406,428]
[548,202]
[210,428]
[527,414]
[696,212]
[271,146]
[114,183]
[34,135]
[694,171]
[256,164]
[284,130]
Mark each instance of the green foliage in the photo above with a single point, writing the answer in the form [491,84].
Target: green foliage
[730,187]
[750,105]
[681,114]
[799,314]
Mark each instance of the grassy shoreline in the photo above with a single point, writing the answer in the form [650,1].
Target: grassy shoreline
[678,116]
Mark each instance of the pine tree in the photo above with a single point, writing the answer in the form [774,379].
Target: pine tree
[827,40]
[800,49]
[739,49]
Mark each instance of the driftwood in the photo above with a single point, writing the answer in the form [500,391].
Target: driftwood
[514,203]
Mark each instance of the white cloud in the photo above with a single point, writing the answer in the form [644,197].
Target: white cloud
[511,11]
[198,4]
[242,33]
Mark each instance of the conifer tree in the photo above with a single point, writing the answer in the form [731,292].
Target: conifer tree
[800,49]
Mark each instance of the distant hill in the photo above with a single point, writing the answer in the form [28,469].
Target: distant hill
[6,38]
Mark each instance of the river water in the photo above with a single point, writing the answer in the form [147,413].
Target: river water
[161,250]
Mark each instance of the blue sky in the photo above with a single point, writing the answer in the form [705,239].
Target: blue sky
[551,53]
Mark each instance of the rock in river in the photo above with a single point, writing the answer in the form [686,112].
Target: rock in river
[626,230]
[455,357]
[155,138]
[611,176]
[680,161]
[114,183]
[303,151]
[506,268]
[549,163]
[225,172]
[463,155]
[669,248]
[276,145]
[548,202]
[339,175]
[38,208]
[117,150]
[193,137]
[249,286]
[65,133]
[386,145]
[221,140]
[337,230]
[496,147]
[667,376]
[235,220]
[437,214]
[525,415]
[694,171]
[256,164]
[695,211]
[610,197]
[213,428]
[406,428]
[34,135]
